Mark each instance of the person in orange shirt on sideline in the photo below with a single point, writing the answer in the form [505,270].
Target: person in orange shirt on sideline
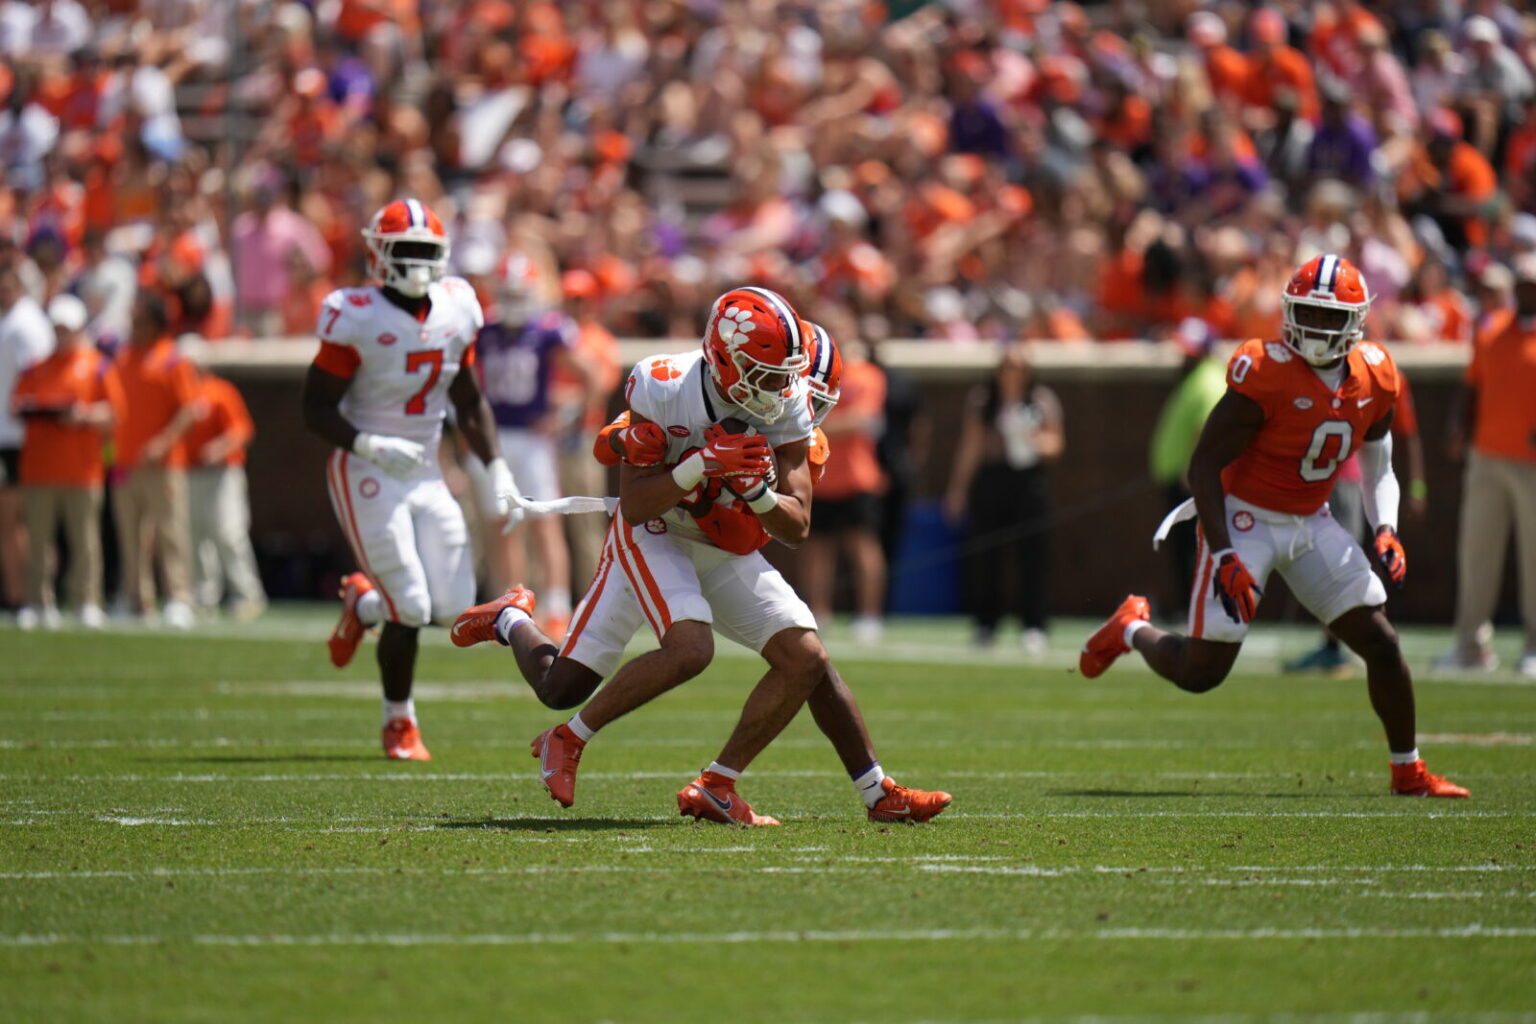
[219,501]
[1451,181]
[848,498]
[150,499]
[1500,489]
[69,402]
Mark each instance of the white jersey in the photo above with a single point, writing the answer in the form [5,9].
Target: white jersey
[675,392]
[404,366]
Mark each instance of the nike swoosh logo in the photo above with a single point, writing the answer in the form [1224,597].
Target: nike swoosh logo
[904,810]
[724,806]
[545,771]
[1361,403]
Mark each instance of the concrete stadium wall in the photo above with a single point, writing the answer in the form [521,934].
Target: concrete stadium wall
[1106,508]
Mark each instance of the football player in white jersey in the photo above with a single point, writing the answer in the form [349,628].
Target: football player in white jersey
[392,358]
[659,566]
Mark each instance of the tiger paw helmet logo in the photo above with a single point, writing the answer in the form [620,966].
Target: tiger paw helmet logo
[734,325]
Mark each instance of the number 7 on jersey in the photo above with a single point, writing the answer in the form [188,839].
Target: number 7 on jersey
[414,361]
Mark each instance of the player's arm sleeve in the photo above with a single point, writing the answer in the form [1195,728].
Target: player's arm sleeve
[1378,484]
[338,354]
[1246,375]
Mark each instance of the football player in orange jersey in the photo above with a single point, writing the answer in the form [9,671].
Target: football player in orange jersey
[1294,410]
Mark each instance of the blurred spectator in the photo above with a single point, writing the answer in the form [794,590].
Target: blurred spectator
[1202,382]
[26,337]
[70,400]
[218,499]
[263,237]
[150,493]
[999,488]
[847,506]
[1450,181]
[1498,438]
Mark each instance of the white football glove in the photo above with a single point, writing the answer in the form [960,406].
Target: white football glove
[501,500]
[394,455]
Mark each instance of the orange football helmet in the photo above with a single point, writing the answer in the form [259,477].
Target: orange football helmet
[407,247]
[1325,305]
[755,348]
[823,371]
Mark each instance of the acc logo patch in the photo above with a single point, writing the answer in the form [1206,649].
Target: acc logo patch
[360,298]
[1302,402]
[386,339]
[1243,520]
[664,369]
[368,488]
[656,526]
[677,431]
[1278,352]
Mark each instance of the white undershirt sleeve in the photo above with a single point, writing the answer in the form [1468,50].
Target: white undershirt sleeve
[1378,484]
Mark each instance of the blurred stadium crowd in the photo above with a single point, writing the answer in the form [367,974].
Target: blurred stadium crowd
[1020,168]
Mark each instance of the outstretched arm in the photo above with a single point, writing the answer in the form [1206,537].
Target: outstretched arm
[323,392]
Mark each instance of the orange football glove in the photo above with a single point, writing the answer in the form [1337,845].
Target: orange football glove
[1389,552]
[1235,588]
[644,444]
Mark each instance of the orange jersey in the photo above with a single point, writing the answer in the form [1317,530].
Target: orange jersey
[223,412]
[158,383]
[55,453]
[1309,430]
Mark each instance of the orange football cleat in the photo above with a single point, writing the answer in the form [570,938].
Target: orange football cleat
[1416,780]
[558,751]
[903,804]
[712,801]
[349,628]
[477,624]
[402,741]
[1108,643]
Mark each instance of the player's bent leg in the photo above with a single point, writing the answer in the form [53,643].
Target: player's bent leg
[838,717]
[685,651]
[797,663]
[1369,634]
[1196,666]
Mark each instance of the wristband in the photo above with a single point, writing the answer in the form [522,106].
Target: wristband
[690,472]
[765,502]
[1418,489]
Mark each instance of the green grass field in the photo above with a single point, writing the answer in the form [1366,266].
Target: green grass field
[201,828]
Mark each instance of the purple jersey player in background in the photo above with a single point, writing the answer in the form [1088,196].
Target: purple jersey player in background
[517,352]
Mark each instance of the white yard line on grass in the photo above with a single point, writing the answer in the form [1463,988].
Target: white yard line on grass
[1471,931]
[938,863]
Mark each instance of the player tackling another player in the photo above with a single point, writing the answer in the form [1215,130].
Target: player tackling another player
[716,458]
[392,359]
[1293,412]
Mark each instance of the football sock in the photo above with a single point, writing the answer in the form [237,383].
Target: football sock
[394,709]
[869,784]
[557,601]
[370,608]
[581,729]
[509,619]
[1131,629]
[1406,758]
[716,768]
